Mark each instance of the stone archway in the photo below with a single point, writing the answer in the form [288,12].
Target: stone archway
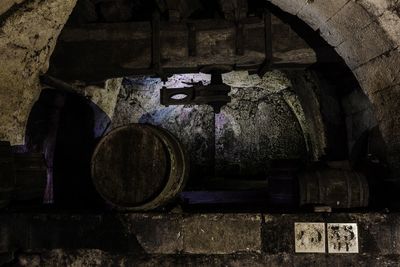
[365,33]
[28,34]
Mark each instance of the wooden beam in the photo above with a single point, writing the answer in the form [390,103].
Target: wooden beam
[99,51]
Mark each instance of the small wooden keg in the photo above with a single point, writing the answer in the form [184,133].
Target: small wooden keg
[139,167]
[338,188]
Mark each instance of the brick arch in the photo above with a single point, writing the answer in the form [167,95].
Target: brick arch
[366,34]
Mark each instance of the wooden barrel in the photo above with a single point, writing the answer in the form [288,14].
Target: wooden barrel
[139,167]
[337,188]
[22,176]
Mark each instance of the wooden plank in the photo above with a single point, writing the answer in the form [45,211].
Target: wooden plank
[99,51]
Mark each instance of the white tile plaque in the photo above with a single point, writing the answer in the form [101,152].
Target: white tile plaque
[309,237]
[342,238]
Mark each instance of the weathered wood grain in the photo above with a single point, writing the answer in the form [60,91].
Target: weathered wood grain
[138,167]
[98,51]
[338,188]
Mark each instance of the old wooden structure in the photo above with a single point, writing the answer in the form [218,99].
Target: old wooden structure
[139,167]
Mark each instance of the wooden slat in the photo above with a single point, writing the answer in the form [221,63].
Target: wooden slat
[99,51]
[130,166]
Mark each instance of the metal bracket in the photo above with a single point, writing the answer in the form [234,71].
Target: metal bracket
[169,96]
[215,94]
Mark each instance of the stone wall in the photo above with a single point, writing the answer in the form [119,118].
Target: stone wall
[6,5]
[264,122]
[360,117]
[365,34]
[344,24]
[27,39]
[155,239]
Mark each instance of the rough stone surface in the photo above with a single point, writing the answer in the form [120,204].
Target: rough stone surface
[372,42]
[148,228]
[380,73]
[27,39]
[195,234]
[387,14]
[100,258]
[278,232]
[317,12]
[264,121]
[377,7]
[348,20]
[222,234]
[363,30]
[389,122]
[208,239]
[267,119]
[292,7]
[306,86]
[257,127]
[390,23]
[104,97]
[5,5]
[390,97]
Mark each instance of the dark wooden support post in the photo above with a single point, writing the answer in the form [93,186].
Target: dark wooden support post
[155,46]
[192,40]
[239,39]
[268,44]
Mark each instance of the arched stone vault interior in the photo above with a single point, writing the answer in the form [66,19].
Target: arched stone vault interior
[365,33]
